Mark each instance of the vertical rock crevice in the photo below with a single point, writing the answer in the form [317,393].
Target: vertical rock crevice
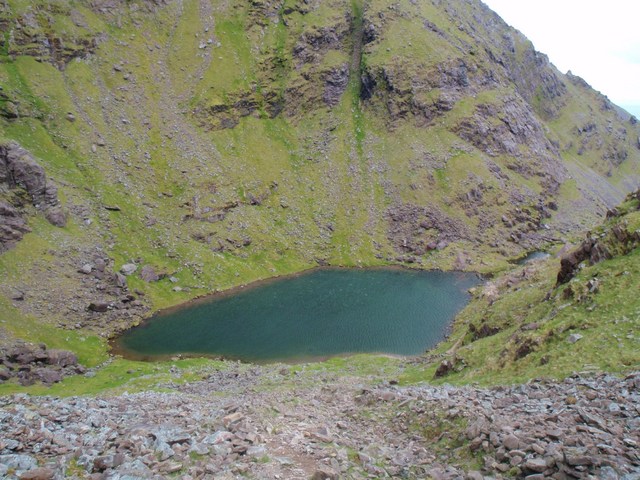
[356,71]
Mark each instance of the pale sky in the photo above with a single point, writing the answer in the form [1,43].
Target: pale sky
[597,40]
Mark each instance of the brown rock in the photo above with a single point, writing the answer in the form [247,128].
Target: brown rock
[148,274]
[536,465]
[577,456]
[444,369]
[62,358]
[511,442]
[42,473]
[325,473]
[18,169]
[232,419]
[99,307]
[48,376]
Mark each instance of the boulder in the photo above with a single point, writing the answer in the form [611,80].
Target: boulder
[42,473]
[19,463]
[48,376]
[18,169]
[128,269]
[511,442]
[325,473]
[99,307]
[62,358]
[574,337]
[538,465]
[148,274]
[444,369]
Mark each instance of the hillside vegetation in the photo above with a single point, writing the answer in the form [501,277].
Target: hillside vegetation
[209,144]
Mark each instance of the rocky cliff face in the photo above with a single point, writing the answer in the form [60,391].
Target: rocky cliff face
[22,182]
[220,142]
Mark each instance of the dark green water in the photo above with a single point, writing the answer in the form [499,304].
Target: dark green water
[315,315]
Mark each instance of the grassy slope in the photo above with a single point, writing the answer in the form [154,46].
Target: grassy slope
[608,320]
[333,167]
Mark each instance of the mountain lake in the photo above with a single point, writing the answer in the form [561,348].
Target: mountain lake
[309,316]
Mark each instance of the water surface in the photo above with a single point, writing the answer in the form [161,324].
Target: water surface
[532,257]
[315,315]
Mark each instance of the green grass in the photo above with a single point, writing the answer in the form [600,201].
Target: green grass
[608,321]
[91,350]
[328,175]
[121,376]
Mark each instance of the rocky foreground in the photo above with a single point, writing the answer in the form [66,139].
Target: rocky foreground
[267,422]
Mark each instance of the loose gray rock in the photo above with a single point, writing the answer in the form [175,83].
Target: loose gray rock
[19,463]
[128,269]
[574,337]
[286,431]
[87,268]
[163,450]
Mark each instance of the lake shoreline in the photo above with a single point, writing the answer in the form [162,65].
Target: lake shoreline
[117,348]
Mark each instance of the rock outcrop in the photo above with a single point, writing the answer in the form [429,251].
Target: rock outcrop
[31,364]
[31,35]
[616,240]
[12,226]
[19,170]
[417,230]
